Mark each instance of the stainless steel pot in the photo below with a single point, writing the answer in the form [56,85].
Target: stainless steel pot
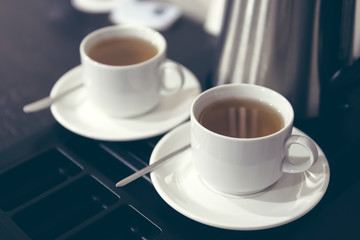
[283,45]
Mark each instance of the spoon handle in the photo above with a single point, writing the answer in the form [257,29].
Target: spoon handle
[151,167]
[47,101]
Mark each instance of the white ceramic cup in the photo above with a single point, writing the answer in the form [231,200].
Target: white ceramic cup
[128,90]
[246,165]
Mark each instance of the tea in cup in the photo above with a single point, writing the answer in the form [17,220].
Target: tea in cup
[124,69]
[240,136]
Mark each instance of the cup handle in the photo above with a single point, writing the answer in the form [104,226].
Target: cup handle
[171,66]
[288,166]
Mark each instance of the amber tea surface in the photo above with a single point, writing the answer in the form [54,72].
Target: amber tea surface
[121,51]
[241,118]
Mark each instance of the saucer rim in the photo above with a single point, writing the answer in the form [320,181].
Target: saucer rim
[196,217]
[153,132]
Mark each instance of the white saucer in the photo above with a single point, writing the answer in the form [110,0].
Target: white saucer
[95,6]
[290,198]
[78,115]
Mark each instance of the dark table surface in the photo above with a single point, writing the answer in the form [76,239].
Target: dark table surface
[39,42]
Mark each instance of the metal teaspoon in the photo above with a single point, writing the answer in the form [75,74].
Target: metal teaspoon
[151,167]
[47,101]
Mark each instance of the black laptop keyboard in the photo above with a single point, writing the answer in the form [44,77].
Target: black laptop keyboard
[66,190]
